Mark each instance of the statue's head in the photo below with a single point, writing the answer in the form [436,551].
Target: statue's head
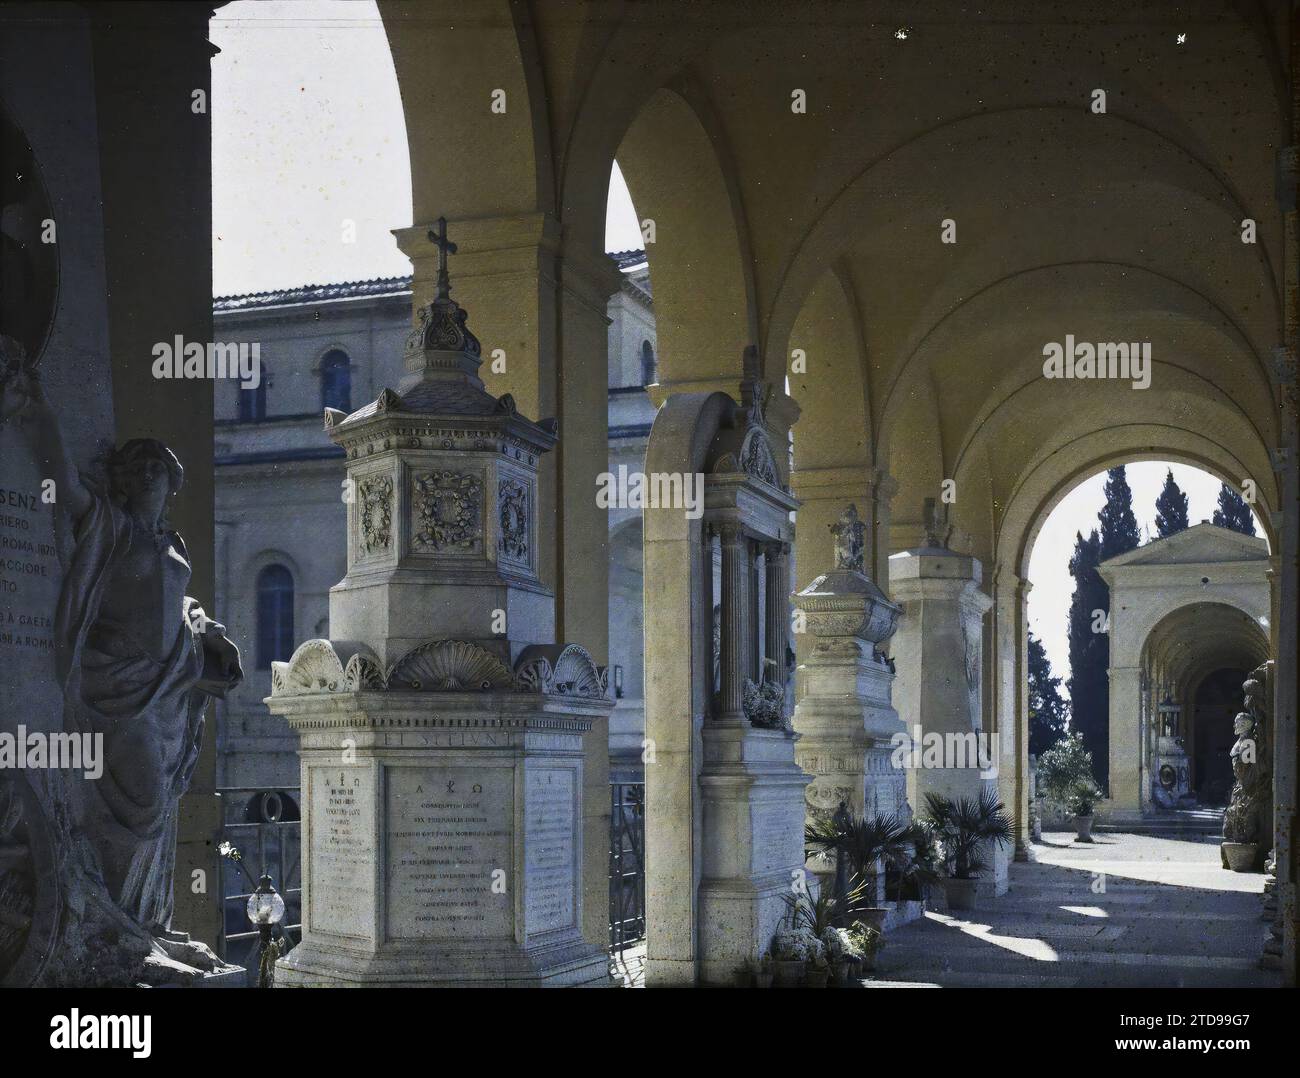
[1243,724]
[142,474]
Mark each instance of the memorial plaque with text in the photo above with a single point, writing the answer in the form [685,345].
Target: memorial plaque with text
[551,865]
[342,852]
[449,852]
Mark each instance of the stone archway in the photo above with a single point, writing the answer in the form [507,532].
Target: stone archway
[1180,655]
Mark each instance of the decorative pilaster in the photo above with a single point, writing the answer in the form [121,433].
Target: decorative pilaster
[776,624]
[736,660]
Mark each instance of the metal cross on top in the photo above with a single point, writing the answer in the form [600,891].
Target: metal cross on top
[445,247]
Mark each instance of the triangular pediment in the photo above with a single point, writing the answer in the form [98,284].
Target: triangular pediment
[1203,542]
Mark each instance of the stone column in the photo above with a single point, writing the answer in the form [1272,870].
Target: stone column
[736,634]
[1010,710]
[1125,738]
[776,613]
[156,164]
[938,653]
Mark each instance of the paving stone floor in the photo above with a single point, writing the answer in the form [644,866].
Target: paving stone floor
[1126,911]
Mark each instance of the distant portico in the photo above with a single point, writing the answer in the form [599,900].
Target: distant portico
[1189,617]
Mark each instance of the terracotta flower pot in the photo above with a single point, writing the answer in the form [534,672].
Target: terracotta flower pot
[961,893]
[1240,856]
[789,972]
[816,978]
[1083,828]
[873,916]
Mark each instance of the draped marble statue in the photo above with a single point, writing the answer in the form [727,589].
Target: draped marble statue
[1248,819]
[137,661]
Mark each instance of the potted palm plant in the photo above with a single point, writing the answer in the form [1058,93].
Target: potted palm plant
[865,844]
[965,827]
[799,947]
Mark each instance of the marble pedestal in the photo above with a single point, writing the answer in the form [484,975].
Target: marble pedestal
[442,840]
[938,652]
[753,796]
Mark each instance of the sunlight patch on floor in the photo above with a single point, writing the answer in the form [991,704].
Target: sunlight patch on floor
[1026,947]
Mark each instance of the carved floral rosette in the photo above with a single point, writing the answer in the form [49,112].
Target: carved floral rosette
[324,666]
[447,507]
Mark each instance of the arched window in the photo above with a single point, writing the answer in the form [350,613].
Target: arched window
[252,402]
[336,380]
[649,375]
[274,615]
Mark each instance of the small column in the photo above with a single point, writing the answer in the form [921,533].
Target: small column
[736,660]
[777,611]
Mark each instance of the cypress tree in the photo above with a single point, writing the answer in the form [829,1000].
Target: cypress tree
[1048,710]
[1171,508]
[1119,527]
[1090,652]
[1233,512]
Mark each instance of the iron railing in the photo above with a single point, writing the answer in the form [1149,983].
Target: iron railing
[626,865]
[264,824]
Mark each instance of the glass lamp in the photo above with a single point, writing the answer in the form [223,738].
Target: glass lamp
[265,906]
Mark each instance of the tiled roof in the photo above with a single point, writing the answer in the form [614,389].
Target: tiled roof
[375,287]
[314,293]
[627,259]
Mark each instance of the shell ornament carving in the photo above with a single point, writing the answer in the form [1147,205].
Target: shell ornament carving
[439,666]
[313,668]
[376,504]
[448,508]
[563,670]
[449,666]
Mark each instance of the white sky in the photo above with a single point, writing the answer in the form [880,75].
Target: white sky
[308,134]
